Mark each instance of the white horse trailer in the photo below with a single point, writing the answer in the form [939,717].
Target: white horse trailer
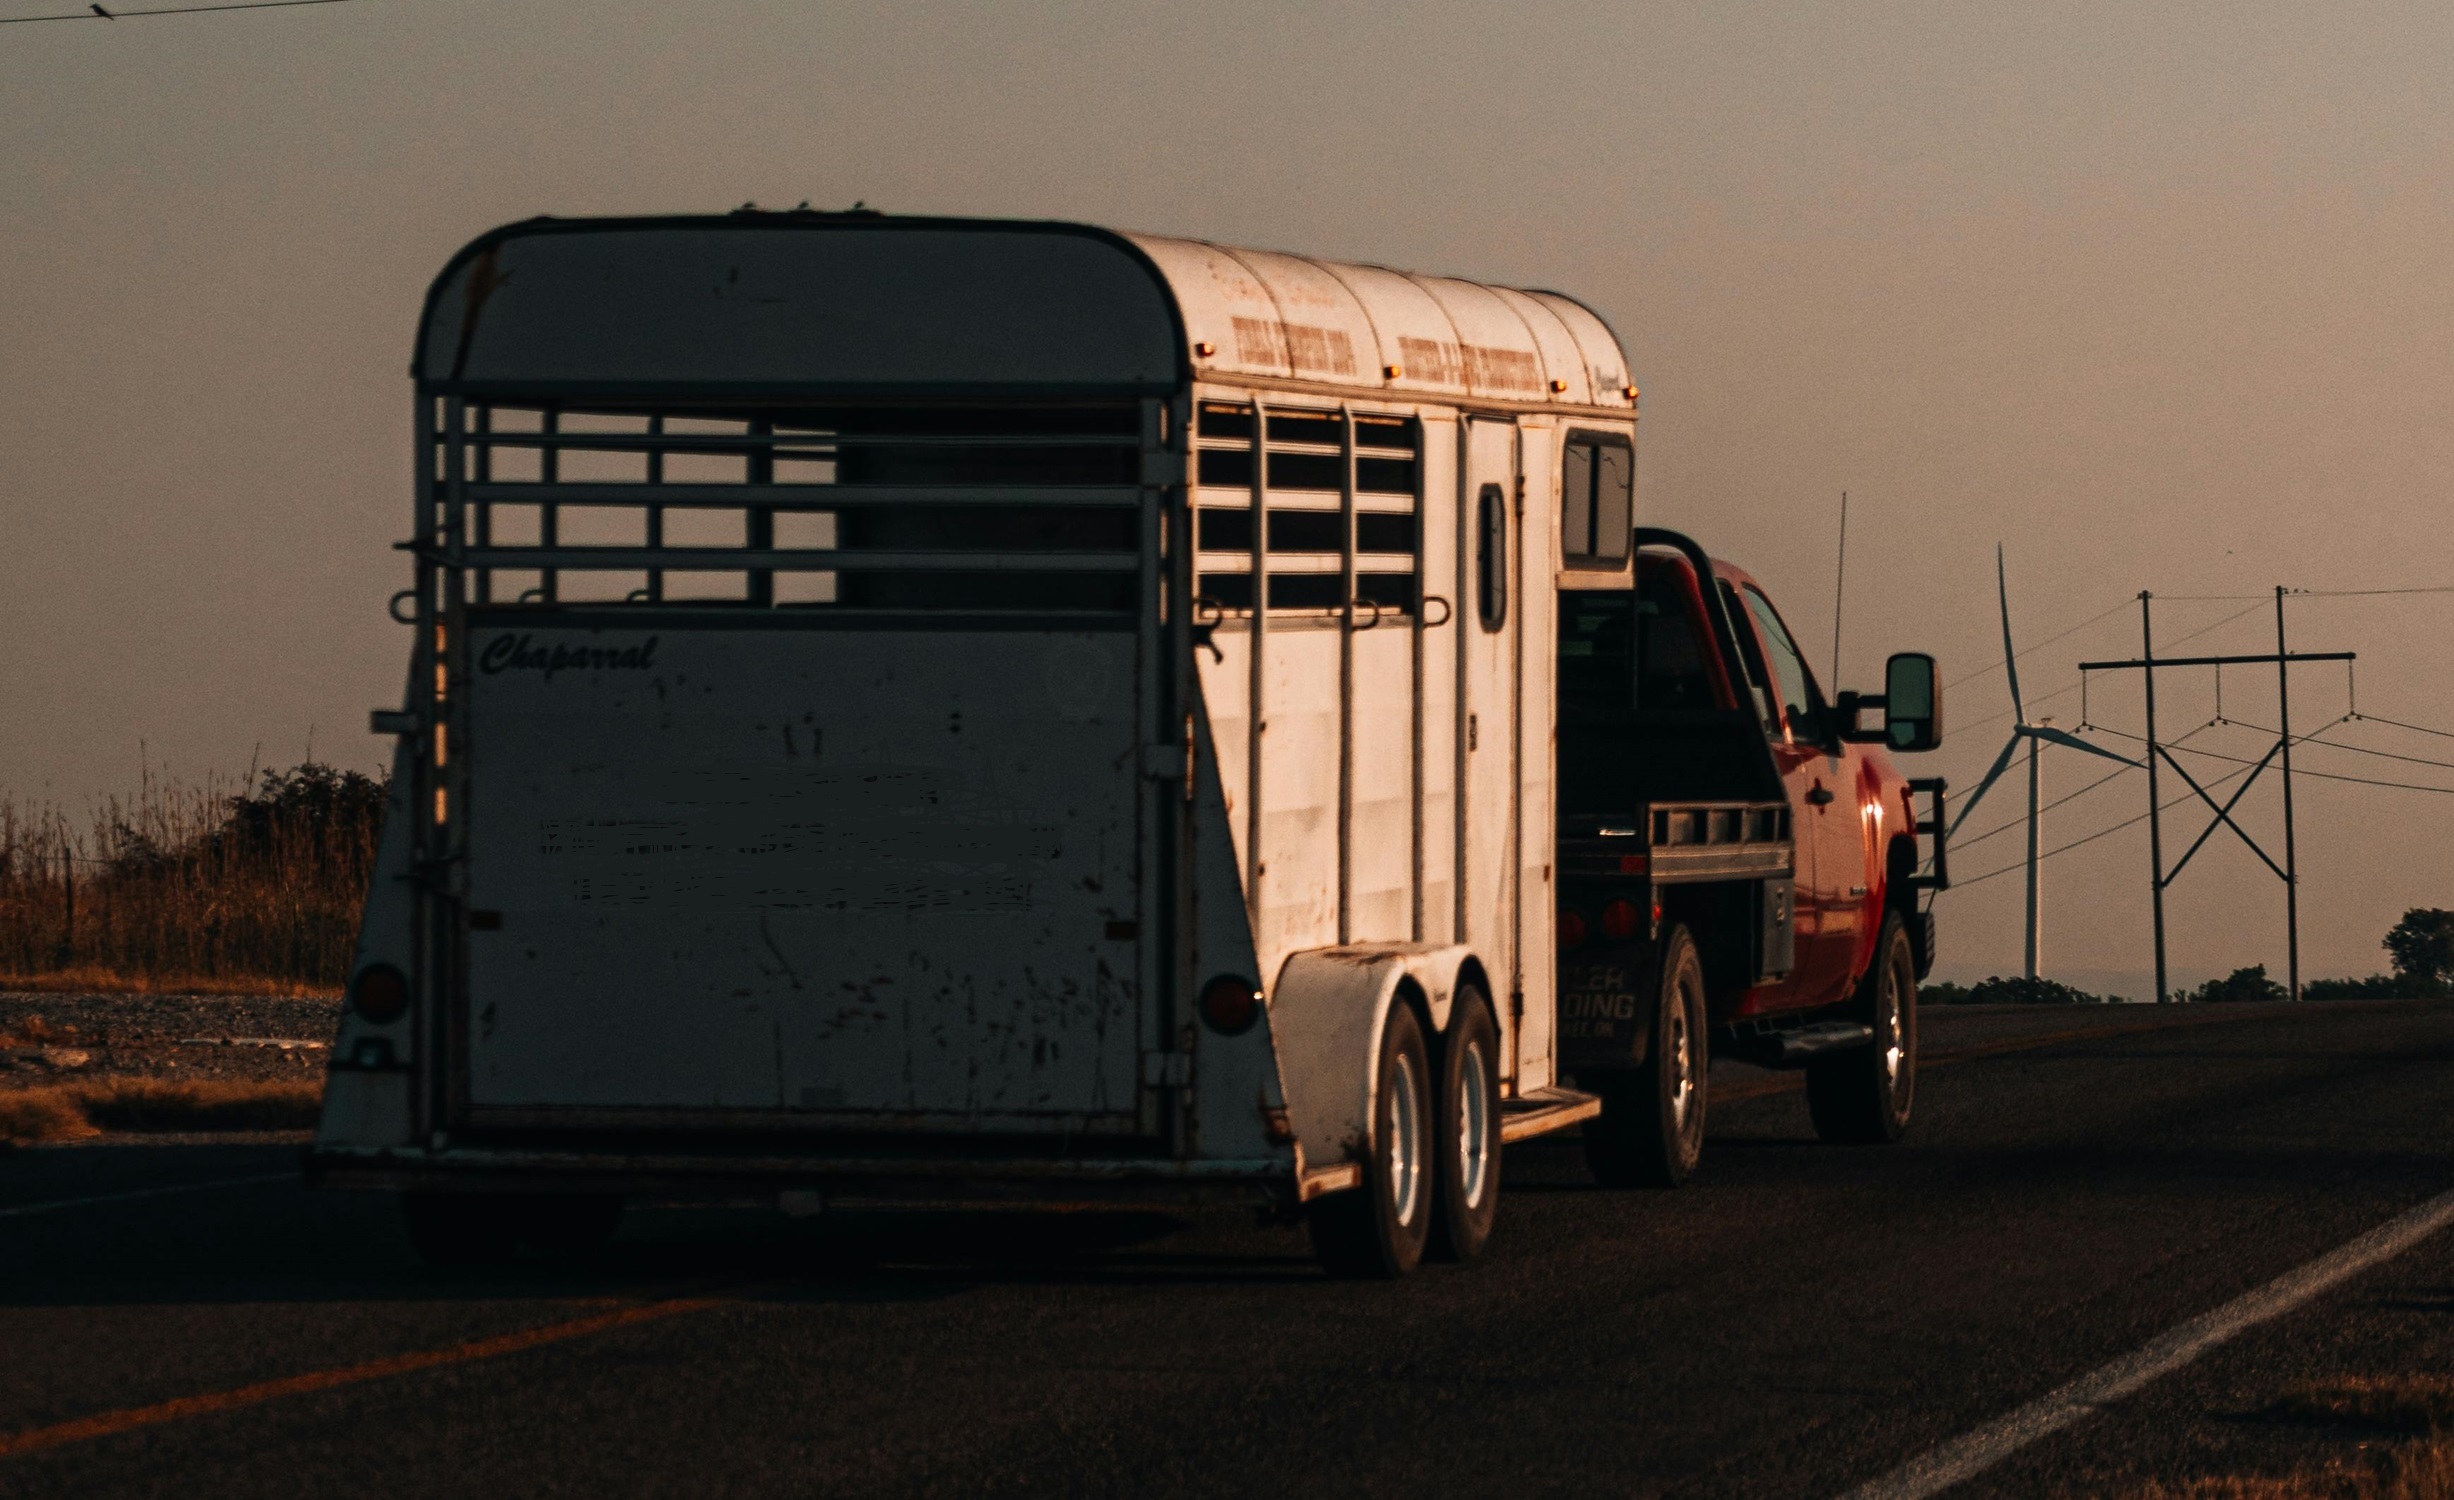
[940,711]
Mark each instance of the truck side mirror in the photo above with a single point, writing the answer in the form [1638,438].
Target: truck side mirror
[1912,702]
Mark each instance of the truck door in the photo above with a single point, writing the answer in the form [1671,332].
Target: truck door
[1824,809]
[1487,704]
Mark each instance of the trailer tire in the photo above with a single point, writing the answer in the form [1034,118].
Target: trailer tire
[1379,1230]
[567,1224]
[1863,1097]
[459,1229]
[1466,1154]
[1651,1129]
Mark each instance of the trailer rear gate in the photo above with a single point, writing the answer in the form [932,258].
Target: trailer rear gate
[858,847]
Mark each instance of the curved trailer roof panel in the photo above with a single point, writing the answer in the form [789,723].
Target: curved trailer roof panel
[804,304]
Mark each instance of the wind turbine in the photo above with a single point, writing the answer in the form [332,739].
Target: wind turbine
[2035,736]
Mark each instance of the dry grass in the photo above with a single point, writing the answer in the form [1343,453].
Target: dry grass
[72,1111]
[91,981]
[217,889]
[2418,1402]
[2422,1469]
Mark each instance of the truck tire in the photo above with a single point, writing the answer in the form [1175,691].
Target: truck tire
[1862,1097]
[1379,1230]
[1466,1151]
[1651,1129]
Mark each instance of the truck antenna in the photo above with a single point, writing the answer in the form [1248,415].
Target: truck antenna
[1840,580]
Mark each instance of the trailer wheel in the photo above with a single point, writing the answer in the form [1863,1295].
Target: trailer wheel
[1862,1097]
[1651,1129]
[459,1229]
[1467,1152]
[1379,1229]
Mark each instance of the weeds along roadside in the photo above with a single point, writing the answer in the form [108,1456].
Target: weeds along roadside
[246,888]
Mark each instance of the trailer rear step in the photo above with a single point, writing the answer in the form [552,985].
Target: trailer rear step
[1541,1111]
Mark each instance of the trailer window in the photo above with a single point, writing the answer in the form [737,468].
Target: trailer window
[1597,500]
[1491,557]
[1326,464]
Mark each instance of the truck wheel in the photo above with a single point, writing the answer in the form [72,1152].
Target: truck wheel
[1466,1155]
[1651,1129]
[1379,1228]
[1862,1097]
[460,1229]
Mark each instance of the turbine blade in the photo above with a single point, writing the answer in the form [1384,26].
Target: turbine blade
[2010,659]
[2002,763]
[2057,737]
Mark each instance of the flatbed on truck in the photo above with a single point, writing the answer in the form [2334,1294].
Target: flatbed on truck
[925,711]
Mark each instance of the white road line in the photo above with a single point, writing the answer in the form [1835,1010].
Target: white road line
[21,1209]
[1974,1452]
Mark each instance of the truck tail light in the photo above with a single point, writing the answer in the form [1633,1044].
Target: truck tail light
[1571,929]
[1230,1004]
[1620,919]
[381,993]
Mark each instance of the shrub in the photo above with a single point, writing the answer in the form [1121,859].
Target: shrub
[2240,985]
[201,887]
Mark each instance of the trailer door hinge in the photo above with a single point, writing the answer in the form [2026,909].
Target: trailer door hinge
[1167,1070]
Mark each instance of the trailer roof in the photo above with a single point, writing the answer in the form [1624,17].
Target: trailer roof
[801,304]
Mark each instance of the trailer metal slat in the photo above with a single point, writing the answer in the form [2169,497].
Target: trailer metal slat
[823,496]
[789,559]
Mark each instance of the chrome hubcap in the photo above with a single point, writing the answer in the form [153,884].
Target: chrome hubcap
[1473,1126]
[1682,1065]
[1405,1141]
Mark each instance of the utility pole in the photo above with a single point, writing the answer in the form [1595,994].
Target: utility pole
[2288,872]
[2155,817]
[2292,867]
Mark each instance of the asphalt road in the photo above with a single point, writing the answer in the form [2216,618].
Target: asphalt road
[1799,1320]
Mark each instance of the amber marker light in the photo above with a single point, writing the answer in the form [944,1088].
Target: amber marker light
[1205,348]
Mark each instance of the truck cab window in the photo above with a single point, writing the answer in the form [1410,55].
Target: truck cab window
[1800,703]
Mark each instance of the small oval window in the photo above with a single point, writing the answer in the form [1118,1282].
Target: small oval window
[1491,556]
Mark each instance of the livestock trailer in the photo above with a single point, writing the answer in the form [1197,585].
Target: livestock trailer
[928,710]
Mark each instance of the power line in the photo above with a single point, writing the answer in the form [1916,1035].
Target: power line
[2039,646]
[2312,739]
[99,13]
[2229,776]
[2408,786]
[2022,821]
[2074,687]
[2397,723]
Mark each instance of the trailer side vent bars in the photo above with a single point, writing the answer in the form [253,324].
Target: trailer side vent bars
[1340,510]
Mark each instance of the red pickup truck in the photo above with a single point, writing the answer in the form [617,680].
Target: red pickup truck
[1740,864]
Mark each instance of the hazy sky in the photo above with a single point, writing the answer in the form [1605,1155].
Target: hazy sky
[2156,295]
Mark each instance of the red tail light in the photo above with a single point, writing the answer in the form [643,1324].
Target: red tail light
[1230,1004]
[1571,929]
[381,993]
[1620,919]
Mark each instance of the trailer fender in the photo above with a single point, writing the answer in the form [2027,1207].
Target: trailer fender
[367,1099]
[1326,1013]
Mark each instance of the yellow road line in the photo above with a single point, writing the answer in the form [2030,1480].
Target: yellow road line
[128,1419]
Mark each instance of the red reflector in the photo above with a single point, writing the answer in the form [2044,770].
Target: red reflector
[1571,929]
[1632,864]
[381,993]
[1620,920]
[1229,1005]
